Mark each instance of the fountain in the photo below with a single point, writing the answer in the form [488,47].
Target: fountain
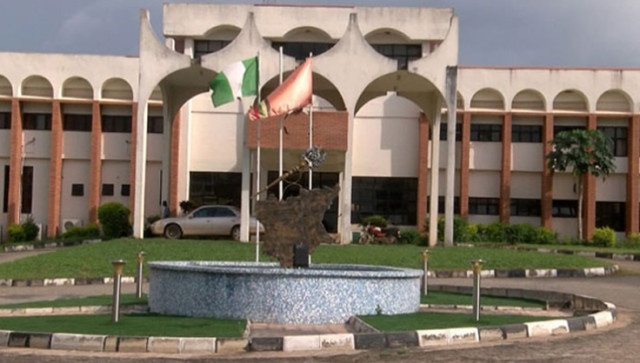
[277,292]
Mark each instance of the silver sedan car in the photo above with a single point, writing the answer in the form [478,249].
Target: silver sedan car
[208,220]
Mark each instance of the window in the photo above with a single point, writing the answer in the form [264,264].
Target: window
[443,132]
[392,198]
[441,206]
[526,133]
[402,53]
[561,128]
[202,47]
[612,215]
[618,136]
[77,190]
[484,206]
[155,124]
[564,208]
[27,189]
[215,188]
[116,123]
[525,207]
[125,190]
[73,122]
[36,121]
[5,120]
[300,51]
[5,193]
[486,132]
[107,190]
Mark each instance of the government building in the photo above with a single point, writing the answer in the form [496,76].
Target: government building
[401,121]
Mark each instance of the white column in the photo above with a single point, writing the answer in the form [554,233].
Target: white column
[435,175]
[246,187]
[141,169]
[344,211]
[451,90]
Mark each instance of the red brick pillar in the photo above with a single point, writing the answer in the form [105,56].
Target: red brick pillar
[96,163]
[174,164]
[632,174]
[423,171]
[464,164]
[546,193]
[505,171]
[589,199]
[15,164]
[132,158]
[55,170]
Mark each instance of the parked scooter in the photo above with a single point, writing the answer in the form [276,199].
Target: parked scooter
[375,234]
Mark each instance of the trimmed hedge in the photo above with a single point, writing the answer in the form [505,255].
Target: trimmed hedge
[114,219]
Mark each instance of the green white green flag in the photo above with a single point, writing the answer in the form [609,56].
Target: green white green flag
[236,80]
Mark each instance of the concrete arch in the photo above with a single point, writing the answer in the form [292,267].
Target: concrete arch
[36,86]
[614,100]
[571,100]
[6,89]
[156,95]
[413,87]
[222,32]
[529,100]
[77,87]
[386,36]
[116,89]
[307,33]
[488,98]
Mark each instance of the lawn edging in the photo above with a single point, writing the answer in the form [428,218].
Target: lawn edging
[601,314]
[498,273]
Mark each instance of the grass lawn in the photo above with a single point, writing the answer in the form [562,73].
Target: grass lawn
[422,321]
[128,325]
[567,247]
[450,298]
[94,260]
[102,300]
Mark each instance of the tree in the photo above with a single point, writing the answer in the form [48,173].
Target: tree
[581,152]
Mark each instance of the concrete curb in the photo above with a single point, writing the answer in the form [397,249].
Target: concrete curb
[601,314]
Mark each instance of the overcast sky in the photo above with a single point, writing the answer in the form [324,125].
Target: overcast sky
[574,33]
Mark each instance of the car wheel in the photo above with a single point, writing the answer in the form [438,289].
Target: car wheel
[173,231]
[235,233]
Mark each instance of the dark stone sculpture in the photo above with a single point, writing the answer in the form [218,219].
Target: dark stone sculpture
[296,220]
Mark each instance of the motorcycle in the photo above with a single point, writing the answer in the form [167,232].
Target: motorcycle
[376,234]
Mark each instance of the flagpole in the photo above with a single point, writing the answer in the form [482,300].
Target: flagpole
[280,132]
[258,161]
[311,133]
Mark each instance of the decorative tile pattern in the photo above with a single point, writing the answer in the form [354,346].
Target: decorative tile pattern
[264,292]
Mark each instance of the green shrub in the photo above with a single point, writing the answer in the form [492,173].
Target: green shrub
[16,233]
[114,219]
[494,232]
[153,218]
[604,237]
[374,220]
[545,236]
[30,229]
[460,229]
[631,241]
[90,231]
[520,233]
[411,236]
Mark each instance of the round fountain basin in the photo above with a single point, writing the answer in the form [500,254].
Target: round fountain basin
[264,292]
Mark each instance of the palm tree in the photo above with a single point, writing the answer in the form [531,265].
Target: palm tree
[581,152]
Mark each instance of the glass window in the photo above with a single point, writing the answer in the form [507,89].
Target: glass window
[618,137]
[77,190]
[155,124]
[125,190]
[612,215]
[484,206]
[202,47]
[27,189]
[73,122]
[561,128]
[402,53]
[443,132]
[300,51]
[392,198]
[526,133]
[215,188]
[525,207]
[36,121]
[486,132]
[5,120]
[107,190]
[564,208]
[112,123]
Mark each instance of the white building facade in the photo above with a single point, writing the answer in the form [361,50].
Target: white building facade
[85,130]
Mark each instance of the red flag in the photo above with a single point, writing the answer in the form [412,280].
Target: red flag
[294,93]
